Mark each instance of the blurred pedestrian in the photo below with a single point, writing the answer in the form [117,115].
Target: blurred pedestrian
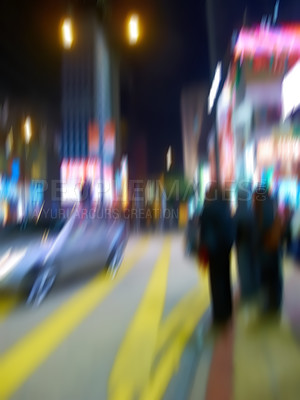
[287,221]
[247,266]
[192,235]
[268,240]
[295,233]
[86,195]
[216,236]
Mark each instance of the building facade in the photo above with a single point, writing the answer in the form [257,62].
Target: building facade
[90,102]
[258,139]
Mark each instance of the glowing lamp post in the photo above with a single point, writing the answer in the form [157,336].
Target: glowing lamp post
[27,130]
[27,138]
[67,33]
[133,29]
[169,159]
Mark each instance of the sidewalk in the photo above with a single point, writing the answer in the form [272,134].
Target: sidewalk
[255,357]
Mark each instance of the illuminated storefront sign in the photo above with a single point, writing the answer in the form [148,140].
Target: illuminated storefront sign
[74,173]
[291,91]
[272,150]
[15,170]
[8,189]
[268,41]
[266,52]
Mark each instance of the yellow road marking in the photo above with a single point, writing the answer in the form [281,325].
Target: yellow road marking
[186,316]
[177,330]
[174,319]
[133,363]
[179,312]
[19,362]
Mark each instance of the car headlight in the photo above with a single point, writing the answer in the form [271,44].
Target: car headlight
[9,260]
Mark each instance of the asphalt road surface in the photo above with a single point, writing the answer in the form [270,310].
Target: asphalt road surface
[133,337]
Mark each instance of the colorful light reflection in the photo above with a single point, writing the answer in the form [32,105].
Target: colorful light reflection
[268,41]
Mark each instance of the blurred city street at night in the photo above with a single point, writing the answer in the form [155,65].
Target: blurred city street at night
[149,199]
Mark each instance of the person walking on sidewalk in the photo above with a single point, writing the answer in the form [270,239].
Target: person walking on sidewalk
[216,236]
[269,233]
[244,239]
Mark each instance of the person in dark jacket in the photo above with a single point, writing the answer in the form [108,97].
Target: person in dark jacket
[247,265]
[217,235]
[287,219]
[268,249]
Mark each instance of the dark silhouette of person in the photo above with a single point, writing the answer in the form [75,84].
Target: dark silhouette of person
[244,228]
[86,195]
[217,235]
[268,248]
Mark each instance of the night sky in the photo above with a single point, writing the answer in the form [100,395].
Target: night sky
[173,53]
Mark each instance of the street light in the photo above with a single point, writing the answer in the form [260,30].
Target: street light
[27,137]
[133,29]
[27,130]
[169,159]
[67,33]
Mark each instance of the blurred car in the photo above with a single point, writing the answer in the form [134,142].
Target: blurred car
[32,264]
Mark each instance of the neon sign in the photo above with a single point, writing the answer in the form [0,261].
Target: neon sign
[268,41]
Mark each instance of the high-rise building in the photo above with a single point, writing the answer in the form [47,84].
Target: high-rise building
[90,96]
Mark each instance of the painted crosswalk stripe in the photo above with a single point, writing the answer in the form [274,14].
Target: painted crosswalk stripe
[133,363]
[19,362]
